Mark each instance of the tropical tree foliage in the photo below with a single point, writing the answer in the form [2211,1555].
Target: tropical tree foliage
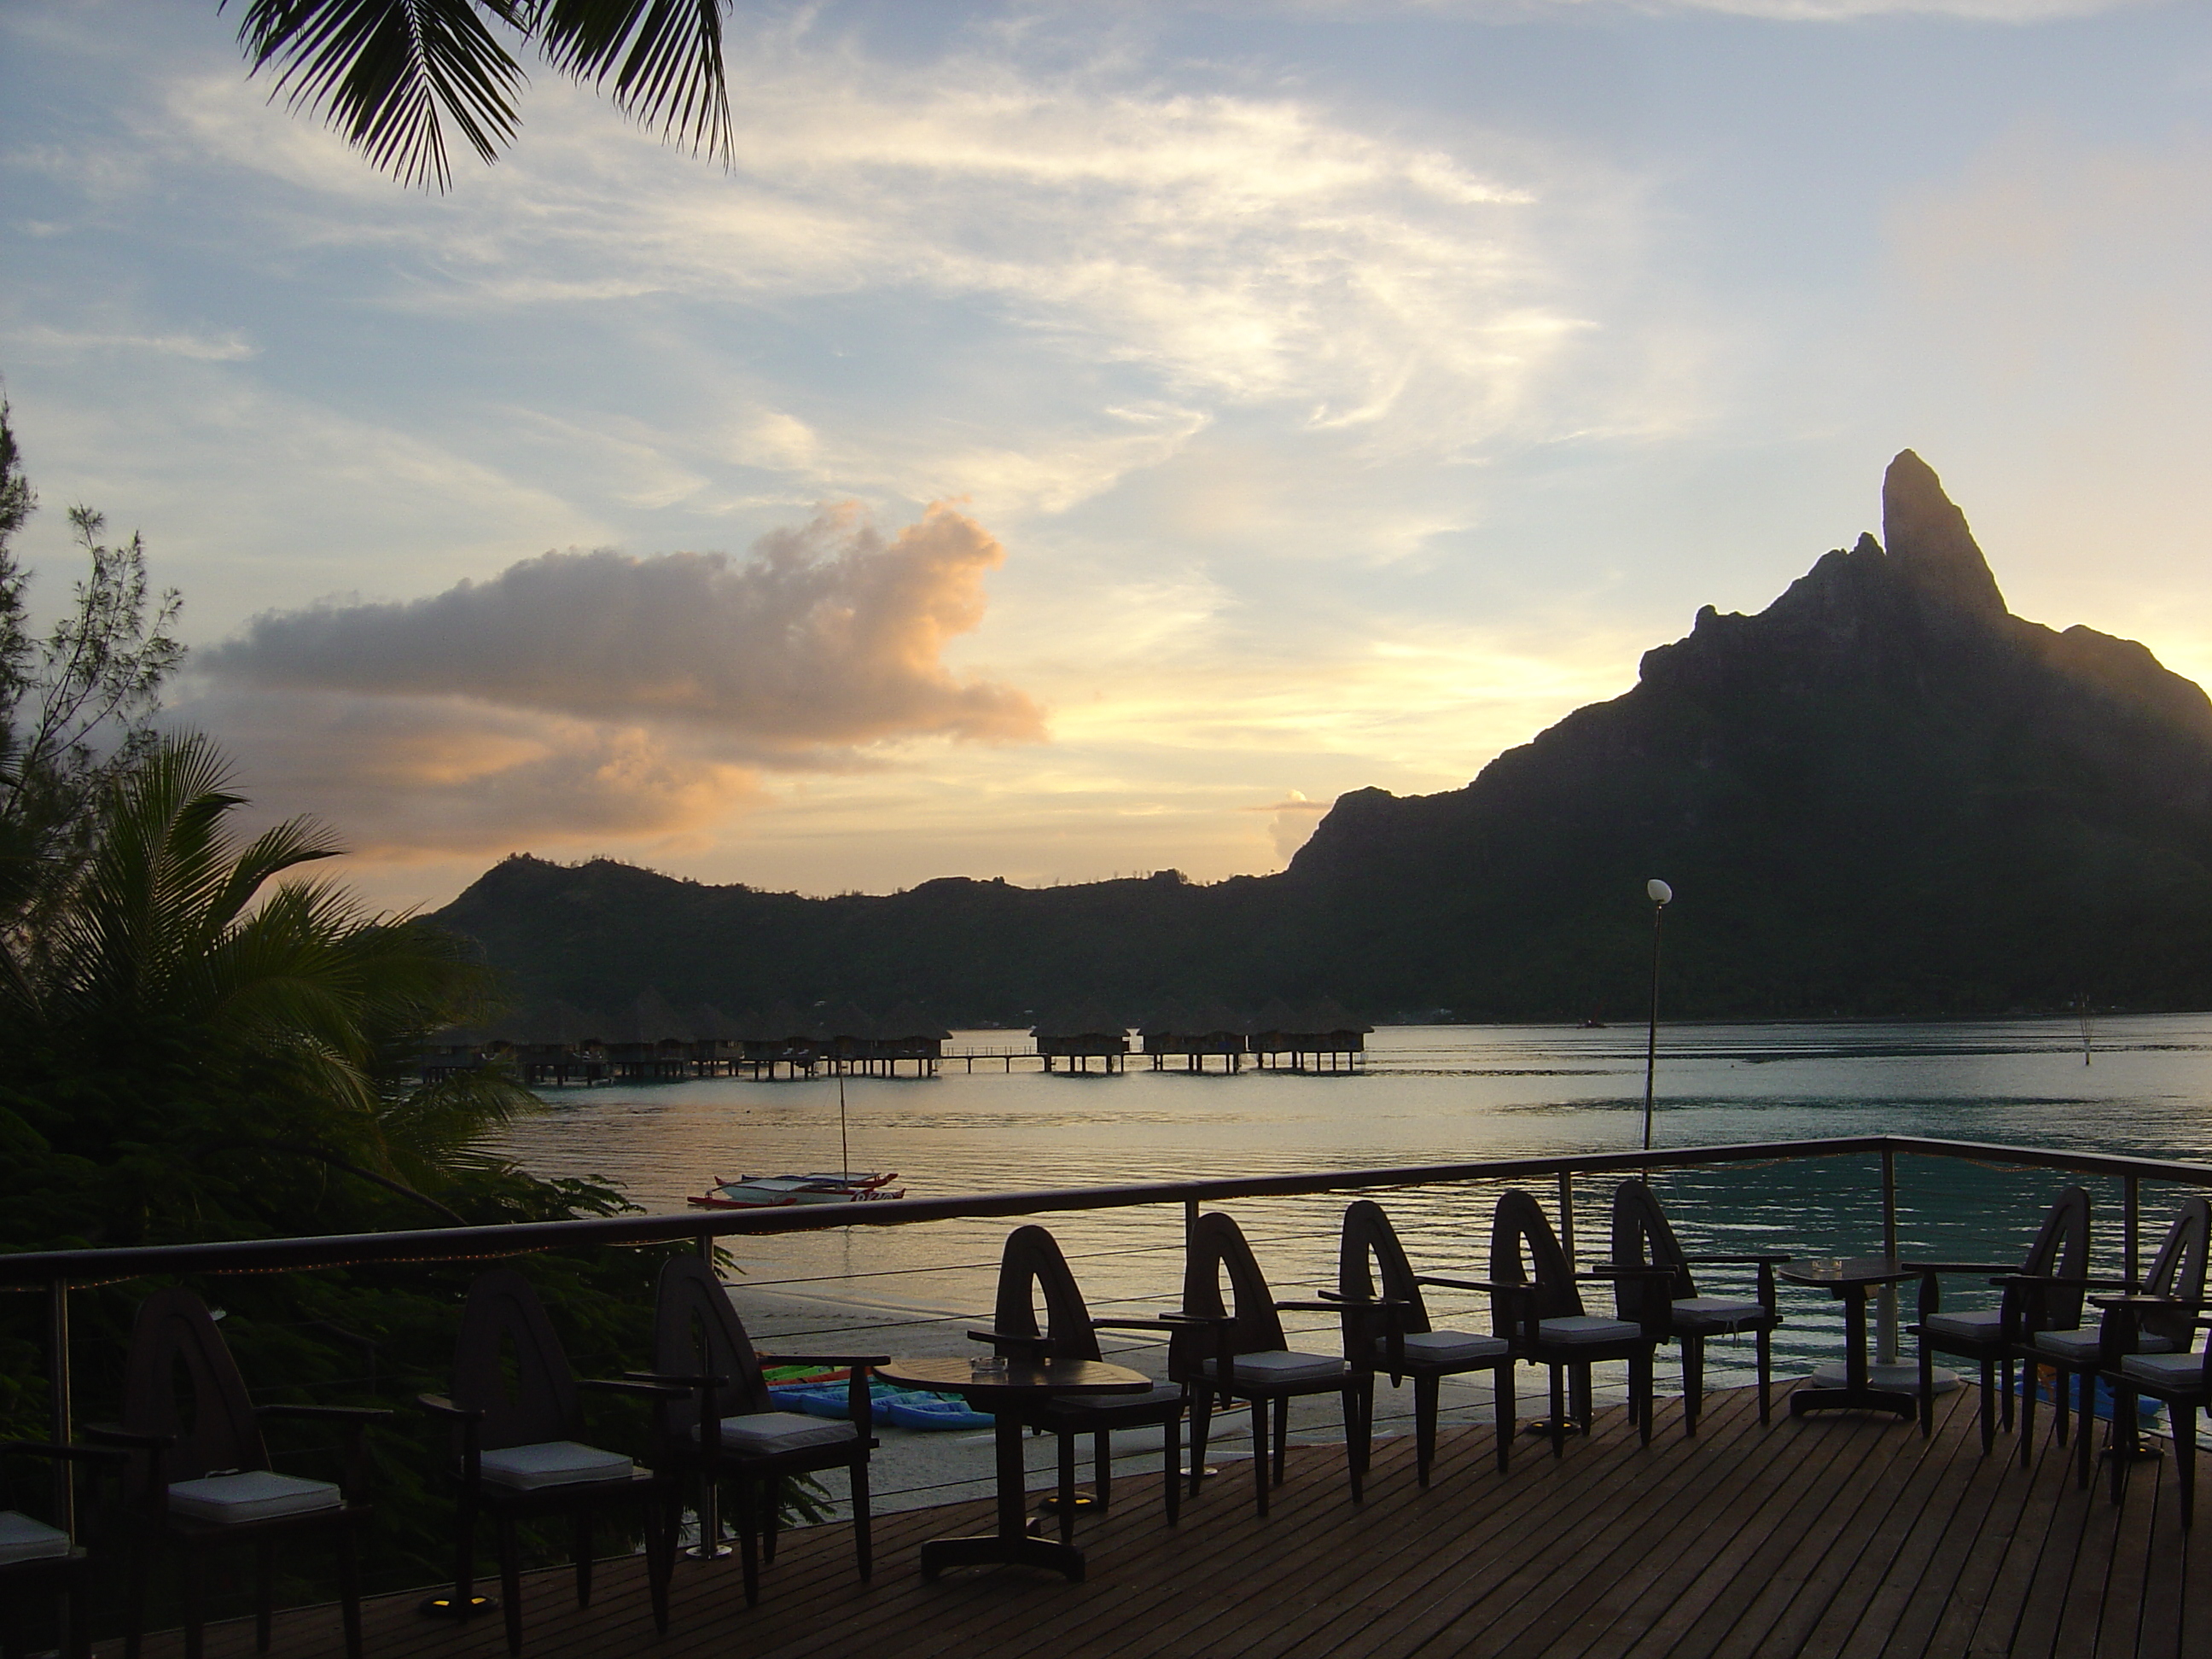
[393,75]
[204,1040]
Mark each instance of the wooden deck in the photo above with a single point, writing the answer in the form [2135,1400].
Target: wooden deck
[1836,1536]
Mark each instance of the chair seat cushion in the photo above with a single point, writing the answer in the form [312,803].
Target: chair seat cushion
[1446,1348]
[2082,1347]
[251,1495]
[554,1463]
[1160,1395]
[23,1538]
[1698,1314]
[1978,1325]
[1279,1365]
[2179,1371]
[1588,1328]
[762,1434]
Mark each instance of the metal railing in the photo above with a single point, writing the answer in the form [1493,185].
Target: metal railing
[58,1272]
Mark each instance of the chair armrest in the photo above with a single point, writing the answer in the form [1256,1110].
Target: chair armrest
[2006,1267]
[674,1381]
[1607,1270]
[439,1405]
[1152,1325]
[636,1390]
[109,1434]
[359,1415]
[1319,1307]
[1495,1286]
[1766,1258]
[72,1454]
[2064,1283]
[2142,1299]
[855,1360]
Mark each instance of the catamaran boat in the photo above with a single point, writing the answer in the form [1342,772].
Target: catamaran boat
[772,1192]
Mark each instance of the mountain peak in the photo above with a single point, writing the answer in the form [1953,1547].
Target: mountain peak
[1929,542]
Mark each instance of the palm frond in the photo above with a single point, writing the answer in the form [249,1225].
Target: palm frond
[391,73]
[664,58]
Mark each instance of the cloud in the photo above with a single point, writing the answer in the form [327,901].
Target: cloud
[603,695]
[403,778]
[228,349]
[828,636]
[1295,818]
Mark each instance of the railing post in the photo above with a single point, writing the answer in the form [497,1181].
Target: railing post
[1189,1223]
[2130,1219]
[707,1248]
[58,1375]
[1567,1216]
[1886,1349]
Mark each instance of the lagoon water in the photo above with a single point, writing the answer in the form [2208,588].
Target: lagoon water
[1427,1094]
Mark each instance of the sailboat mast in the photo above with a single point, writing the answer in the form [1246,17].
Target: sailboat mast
[844,1144]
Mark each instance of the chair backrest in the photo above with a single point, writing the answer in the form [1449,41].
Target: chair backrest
[1642,1238]
[2061,1250]
[1370,1259]
[1519,1225]
[1217,1242]
[696,1332]
[2177,1270]
[1031,1266]
[509,1365]
[178,1355]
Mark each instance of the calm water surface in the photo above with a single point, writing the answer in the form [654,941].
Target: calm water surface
[1429,1094]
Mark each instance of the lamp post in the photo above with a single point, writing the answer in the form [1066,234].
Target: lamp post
[1661,895]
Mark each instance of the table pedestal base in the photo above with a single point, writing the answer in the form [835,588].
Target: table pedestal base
[996,1549]
[1848,1398]
[1902,1375]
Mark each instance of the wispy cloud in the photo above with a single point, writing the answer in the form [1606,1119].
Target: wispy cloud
[229,349]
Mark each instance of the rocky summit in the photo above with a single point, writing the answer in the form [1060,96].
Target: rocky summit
[1884,793]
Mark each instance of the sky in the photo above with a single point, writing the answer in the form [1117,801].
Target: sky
[1071,441]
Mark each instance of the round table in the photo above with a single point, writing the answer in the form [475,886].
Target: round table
[1849,1279]
[1006,1394]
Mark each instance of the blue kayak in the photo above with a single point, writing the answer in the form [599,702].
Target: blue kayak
[908,1408]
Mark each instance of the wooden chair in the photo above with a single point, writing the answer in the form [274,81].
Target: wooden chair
[1241,1354]
[1536,1302]
[1033,1267]
[700,1346]
[1386,1328]
[1642,1238]
[1990,1336]
[200,1478]
[2163,1321]
[38,1560]
[518,1452]
[2182,1380]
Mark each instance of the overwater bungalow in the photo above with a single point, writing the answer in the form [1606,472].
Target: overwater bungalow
[779,1039]
[1177,1032]
[1322,1031]
[1080,1035]
[907,1034]
[648,1042]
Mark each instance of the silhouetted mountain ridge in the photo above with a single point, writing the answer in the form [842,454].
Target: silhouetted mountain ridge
[1883,793]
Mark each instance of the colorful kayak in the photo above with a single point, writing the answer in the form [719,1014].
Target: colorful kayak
[772,1192]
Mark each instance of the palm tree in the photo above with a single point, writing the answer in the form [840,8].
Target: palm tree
[391,73]
[296,1005]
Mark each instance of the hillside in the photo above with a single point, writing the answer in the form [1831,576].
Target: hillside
[1883,793]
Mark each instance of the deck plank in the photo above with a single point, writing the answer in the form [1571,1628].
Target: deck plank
[1837,1535]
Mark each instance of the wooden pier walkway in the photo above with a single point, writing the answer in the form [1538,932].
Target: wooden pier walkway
[1837,1535]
